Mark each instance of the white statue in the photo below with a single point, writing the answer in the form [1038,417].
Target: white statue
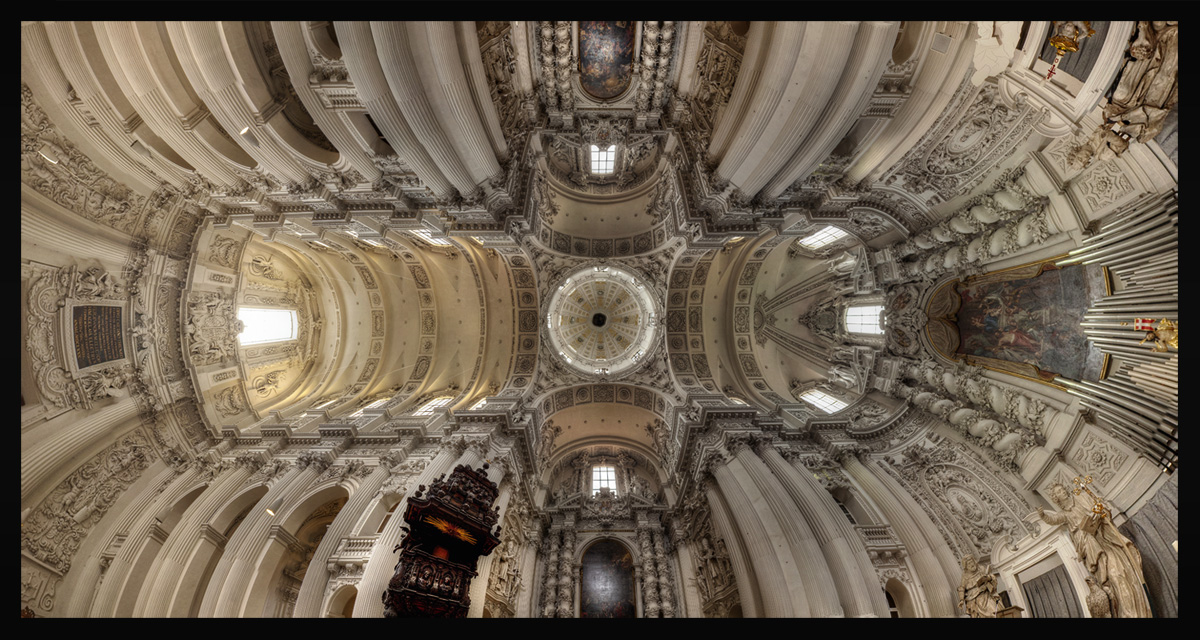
[1108,555]
[977,590]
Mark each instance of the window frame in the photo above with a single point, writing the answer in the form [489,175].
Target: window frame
[608,479]
[822,237]
[854,319]
[824,402]
[604,161]
[266,311]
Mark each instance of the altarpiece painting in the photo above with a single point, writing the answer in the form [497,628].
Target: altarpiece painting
[1024,320]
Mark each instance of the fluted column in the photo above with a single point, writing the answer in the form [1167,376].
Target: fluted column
[739,555]
[478,590]
[362,61]
[215,57]
[289,37]
[394,48]
[758,45]
[381,566]
[45,228]
[174,578]
[239,567]
[42,461]
[853,575]
[312,590]
[936,575]
[870,50]
[797,82]
[689,598]
[810,562]
[779,580]
[118,593]
[476,79]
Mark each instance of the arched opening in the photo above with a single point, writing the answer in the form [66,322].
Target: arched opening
[607,585]
[850,505]
[208,551]
[309,521]
[899,601]
[341,604]
[140,569]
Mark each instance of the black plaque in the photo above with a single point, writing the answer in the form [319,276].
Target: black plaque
[97,335]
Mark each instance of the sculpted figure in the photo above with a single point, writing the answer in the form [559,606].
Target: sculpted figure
[1108,555]
[977,590]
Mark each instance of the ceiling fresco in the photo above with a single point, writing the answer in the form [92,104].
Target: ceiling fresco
[605,57]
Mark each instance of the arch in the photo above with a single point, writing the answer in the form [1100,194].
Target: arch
[282,567]
[898,593]
[207,552]
[341,602]
[607,585]
[861,513]
[142,564]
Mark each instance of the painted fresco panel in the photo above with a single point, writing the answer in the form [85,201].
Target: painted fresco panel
[607,589]
[1034,320]
[605,57]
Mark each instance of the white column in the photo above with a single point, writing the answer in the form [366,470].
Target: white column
[312,591]
[810,562]
[172,582]
[929,554]
[46,461]
[853,574]
[363,63]
[239,567]
[739,556]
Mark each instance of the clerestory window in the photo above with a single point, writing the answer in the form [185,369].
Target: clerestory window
[864,319]
[266,325]
[823,237]
[604,477]
[823,401]
[428,408]
[603,159]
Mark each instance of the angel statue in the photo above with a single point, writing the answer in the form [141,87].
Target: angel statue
[1108,555]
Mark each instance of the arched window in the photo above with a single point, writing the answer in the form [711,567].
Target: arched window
[604,476]
[864,319]
[603,159]
[266,325]
[428,408]
[823,401]
[822,237]
[892,608]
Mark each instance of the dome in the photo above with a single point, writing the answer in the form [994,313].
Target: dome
[601,320]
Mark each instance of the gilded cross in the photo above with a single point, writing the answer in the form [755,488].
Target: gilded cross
[1097,506]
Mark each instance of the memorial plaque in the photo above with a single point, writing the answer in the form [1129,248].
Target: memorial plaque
[97,335]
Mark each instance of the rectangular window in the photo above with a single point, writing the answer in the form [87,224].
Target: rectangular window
[428,408]
[428,237]
[266,325]
[370,406]
[864,319]
[823,237]
[603,159]
[604,477]
[822,401]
